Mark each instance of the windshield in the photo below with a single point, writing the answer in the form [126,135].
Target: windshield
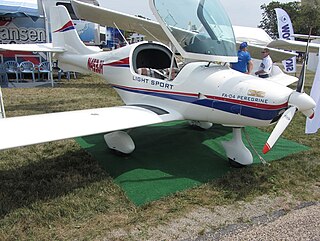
[197,26]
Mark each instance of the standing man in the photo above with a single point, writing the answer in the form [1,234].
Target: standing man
[266,64]
[244,63]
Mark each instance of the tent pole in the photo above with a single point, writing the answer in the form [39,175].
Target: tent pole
[2,111]
[49,57]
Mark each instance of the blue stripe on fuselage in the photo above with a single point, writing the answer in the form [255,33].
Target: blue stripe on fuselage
[248,111]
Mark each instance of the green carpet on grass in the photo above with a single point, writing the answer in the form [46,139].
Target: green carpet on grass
[172,157]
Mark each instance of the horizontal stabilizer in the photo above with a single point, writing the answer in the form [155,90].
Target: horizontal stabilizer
[42,47]
[34,129]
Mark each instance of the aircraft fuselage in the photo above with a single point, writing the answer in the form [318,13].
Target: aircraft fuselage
[211,93]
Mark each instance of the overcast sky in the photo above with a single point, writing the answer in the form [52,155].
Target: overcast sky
[241,12]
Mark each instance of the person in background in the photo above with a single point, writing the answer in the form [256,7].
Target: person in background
[244,64]
[266,64]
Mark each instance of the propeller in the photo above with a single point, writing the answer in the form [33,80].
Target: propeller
[297,101]
[282,124]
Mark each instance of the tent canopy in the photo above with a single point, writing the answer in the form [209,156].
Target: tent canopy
[16,8]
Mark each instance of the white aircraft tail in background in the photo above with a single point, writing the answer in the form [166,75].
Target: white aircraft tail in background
[63,34]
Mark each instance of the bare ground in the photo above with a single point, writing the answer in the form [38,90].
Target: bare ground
[265,218]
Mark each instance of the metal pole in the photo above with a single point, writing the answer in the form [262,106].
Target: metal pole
[172,62]
[49,57]
[3,114]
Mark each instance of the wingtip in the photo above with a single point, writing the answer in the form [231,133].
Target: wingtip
[266,148]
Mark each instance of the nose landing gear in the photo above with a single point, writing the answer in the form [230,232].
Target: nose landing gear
[237,153]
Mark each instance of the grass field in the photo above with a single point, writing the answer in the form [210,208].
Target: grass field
[56,191]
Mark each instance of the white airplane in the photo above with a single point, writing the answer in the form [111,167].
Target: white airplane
[200,91]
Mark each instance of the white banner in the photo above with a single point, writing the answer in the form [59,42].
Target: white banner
[313,125]
[285,30]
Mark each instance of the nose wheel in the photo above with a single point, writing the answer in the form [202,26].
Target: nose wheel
[237,153]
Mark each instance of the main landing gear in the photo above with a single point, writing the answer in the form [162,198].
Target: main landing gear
[120,141]
[237,153]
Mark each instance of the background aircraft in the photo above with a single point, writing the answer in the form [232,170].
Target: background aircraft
[200,90]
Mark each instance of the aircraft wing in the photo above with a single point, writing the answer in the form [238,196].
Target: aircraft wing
[42,47]
[277,55]
[294,45]
[256,36]
[153,30]
[34,129]
[106,17]
[304,36]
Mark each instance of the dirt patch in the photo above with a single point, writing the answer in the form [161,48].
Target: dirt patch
[204,222]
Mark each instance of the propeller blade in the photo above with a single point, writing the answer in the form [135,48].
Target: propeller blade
[279,129]
[308,113]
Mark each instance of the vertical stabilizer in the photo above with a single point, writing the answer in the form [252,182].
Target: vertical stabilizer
[64,34]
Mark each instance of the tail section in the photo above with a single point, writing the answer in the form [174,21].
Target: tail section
[64,34]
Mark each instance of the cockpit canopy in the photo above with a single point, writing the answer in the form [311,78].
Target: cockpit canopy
[199,29]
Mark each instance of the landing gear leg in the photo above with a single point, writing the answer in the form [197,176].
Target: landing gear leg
[237,153]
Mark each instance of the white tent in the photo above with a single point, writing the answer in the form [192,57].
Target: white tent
[14,8]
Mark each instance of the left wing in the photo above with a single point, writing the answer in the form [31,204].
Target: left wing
[34,129]
[42,47]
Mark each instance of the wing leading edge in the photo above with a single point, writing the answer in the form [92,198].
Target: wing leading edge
[34,129]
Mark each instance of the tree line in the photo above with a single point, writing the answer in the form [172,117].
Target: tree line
[303,16]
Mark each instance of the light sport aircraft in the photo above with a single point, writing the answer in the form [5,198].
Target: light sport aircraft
[201,91]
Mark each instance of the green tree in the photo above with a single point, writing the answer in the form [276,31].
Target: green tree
[309,18]
[269,18]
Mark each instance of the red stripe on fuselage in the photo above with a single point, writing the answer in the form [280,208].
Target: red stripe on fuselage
[246,103]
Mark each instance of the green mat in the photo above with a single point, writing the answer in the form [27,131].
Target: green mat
[174,156]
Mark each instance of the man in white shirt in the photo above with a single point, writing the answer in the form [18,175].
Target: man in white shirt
[266,64]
